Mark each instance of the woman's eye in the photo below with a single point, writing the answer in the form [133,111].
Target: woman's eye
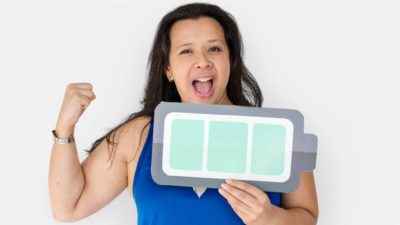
[215,49]
[186,51]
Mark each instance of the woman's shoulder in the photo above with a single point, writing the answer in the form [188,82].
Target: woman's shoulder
[129,136]
[133,126]
[138,124]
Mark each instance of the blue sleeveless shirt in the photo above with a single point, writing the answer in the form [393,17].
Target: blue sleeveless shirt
[162,204]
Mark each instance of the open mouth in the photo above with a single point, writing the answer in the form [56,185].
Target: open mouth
[203,87]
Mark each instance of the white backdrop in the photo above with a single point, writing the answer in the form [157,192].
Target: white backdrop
[335,61]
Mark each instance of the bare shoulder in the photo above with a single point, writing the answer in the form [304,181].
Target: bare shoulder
[128,137]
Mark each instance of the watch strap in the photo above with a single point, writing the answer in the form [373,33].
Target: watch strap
[58,140]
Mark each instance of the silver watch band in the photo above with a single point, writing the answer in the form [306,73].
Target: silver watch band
[57,140]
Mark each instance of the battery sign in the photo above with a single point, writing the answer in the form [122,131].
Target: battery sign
[202,145]
[219,146]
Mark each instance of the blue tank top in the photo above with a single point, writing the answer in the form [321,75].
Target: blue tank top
[162,204]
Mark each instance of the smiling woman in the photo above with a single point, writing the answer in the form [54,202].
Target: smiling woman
[199,61]
[196,58]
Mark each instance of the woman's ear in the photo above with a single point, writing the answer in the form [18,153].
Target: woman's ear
[169,74]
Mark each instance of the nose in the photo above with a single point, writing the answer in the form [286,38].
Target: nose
[202,61]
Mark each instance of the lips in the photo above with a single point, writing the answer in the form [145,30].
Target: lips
[203,86]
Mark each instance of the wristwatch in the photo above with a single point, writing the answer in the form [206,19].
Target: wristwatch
[67,140]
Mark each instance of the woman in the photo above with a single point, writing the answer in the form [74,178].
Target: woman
[196,58]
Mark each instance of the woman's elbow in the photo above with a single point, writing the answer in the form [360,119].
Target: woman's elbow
[314,215]
[65,217]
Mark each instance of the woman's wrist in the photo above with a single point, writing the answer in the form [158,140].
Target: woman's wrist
[63,131]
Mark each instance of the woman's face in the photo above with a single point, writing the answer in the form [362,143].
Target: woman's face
[199,61]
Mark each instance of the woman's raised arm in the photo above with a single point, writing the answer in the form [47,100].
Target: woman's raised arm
[78,190]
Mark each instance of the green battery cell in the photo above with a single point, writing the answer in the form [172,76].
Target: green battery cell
[187,144]
[268,152]
[227,147]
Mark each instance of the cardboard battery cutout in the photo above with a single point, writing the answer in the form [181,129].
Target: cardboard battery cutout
[197,145]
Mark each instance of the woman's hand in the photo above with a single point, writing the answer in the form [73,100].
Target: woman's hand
[77,98]
[250,203]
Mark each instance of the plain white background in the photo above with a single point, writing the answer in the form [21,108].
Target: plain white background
[338,62]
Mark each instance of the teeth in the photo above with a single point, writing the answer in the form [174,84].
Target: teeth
[203,79]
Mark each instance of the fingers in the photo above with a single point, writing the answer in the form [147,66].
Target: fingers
[254,191]
[237,205]
[87,86]
[246,212]
[249,202]
[78,97]
[83,100]
[241,214]
[239,194]
[82,88]
[82,93]
[85,93]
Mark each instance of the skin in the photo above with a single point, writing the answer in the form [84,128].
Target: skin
[199,49]
[78,190]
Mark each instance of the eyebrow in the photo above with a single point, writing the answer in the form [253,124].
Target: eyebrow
[209,41]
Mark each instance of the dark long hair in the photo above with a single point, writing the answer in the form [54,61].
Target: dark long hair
[242,88]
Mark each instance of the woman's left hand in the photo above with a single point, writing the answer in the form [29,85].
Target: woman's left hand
[250,203]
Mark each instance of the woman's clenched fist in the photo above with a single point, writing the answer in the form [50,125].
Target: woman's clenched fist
[77,98]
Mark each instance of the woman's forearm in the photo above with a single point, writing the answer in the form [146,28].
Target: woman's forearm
[66,179]
[293,216]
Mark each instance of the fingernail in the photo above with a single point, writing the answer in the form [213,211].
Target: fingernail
[229,181]
[223,185]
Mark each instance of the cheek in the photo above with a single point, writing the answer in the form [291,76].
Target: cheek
[224,69]
[181,71]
